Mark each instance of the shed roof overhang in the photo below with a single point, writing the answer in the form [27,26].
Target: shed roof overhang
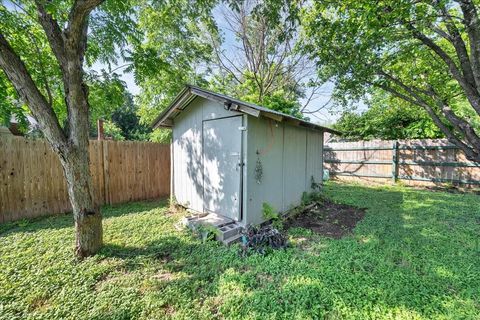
[183,99]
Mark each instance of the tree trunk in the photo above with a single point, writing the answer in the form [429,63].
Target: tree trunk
[87,216]
[70,143]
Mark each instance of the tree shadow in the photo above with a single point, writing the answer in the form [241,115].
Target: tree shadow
[209,185]
[402,257]
[412,151]
[65,220]
[410,256]
[413,255]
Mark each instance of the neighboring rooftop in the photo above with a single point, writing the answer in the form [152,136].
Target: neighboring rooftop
[181,101]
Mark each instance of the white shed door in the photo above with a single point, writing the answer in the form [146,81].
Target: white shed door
[222,148]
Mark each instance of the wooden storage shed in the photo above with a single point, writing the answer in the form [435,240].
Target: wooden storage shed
[231,156]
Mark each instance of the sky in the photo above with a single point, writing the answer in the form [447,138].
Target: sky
[125,76]
[324,116]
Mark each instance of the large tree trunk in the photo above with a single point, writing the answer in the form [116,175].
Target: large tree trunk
[87,216]
[70,143]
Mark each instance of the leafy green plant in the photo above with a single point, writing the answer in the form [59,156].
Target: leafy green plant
[309,197]
[315,186]
[113,131]
[161,135]
[270,214]
[305,198]
[412,247]
[206,232]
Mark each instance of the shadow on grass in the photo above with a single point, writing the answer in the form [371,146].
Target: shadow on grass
[415,254]
[403,259]
[65,220]
[163,249]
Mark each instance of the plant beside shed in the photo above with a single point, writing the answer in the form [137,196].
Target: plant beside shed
[230,156]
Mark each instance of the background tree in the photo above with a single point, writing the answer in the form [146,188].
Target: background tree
[174,52]
[107,93]
[263,65]
[426,53]
[11,106]
[387,118]
[126,119]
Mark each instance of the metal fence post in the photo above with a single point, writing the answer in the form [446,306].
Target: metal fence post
[395,161]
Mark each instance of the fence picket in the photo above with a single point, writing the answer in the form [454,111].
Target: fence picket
[415,162]
[32,182]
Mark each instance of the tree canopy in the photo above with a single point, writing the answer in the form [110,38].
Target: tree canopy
[423,54]
[426,53]
[261,63]
[387,118]
[166,45]
[173,52]
[44,49]
[110,29]
[247,49]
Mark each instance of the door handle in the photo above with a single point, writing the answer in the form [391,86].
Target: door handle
[239,165]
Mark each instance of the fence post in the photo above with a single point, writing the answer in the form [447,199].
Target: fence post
[395,162]
[106,172]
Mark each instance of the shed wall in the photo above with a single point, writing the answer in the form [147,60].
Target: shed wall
[314,157]
[187,150]
[289,157]
[295,160]
[266,137]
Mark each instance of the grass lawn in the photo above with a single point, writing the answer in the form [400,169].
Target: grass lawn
[416,254]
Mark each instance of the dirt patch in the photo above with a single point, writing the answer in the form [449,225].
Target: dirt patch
[39,304]
[166,276]
[327,218]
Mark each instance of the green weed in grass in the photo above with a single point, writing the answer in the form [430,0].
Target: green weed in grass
[415,255]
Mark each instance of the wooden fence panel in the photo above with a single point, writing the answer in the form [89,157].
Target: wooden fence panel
[32,182]
[415,162]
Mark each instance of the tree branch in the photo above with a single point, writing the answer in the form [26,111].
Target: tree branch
[455,38]
[470,91]
[77,22]
[438,122]
[54,34]
[472,22]
[460,124]
[319,108]
[469,147]
[43,72]
[19,76]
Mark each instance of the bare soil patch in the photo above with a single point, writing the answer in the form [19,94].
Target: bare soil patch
[327,218]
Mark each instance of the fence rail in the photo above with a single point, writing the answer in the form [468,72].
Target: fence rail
[32,182]
[413,161]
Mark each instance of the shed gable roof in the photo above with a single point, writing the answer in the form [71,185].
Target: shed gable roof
[183,99]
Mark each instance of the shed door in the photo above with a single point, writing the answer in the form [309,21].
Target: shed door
[222,168]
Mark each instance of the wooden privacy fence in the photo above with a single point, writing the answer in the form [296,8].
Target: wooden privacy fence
[32,182]
[415,162]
